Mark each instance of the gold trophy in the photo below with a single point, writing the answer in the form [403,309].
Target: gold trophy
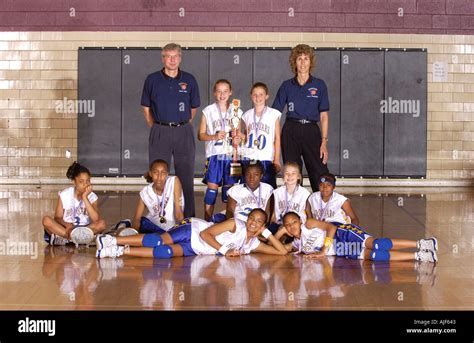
[235,165]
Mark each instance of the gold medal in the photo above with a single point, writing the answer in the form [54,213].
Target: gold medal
[255,142]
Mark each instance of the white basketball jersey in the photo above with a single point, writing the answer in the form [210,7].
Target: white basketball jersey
[331,211]
[232,240]
[285,202]
[155,204]
[75,210]
[246,200]
[311,241]
[219,121]
[260,134]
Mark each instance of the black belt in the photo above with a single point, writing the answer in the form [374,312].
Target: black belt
[173,124]
[302,121]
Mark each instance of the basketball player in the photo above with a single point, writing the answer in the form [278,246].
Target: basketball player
[328,205]
[252,194]
[163,198]
[289,197]
[318,239]
[197,237]
[215,130]
[262,127]
[76,217]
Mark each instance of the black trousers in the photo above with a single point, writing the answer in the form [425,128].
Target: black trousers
[164,142]
[303,140]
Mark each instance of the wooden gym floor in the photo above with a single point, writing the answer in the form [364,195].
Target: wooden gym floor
[42,277]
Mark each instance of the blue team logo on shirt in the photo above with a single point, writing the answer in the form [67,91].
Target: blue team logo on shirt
[313,93]
[183,87]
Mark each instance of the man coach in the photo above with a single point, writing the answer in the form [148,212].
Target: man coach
[170,100]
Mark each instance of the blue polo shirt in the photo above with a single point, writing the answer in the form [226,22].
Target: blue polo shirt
[308,100]
[171,98]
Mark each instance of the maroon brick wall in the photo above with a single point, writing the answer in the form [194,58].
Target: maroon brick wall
[380,16]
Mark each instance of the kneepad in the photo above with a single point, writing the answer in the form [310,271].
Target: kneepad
[151,240]
[382,244]
[380,256]
[162,251]
[210,196]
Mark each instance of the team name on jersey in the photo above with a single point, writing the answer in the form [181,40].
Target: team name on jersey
[309,244]
[79,211]
[293,207]
[217,124]
[323,213]
[261,127]
[248,200]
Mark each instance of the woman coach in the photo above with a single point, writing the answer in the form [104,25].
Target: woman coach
[308,104]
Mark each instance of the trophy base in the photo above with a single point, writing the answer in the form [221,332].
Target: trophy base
[235,169]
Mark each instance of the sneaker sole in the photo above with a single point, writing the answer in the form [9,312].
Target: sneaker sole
[128,232]
[84,236]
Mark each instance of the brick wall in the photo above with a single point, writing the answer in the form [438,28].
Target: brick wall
[376,16]
[38,68]
[39,42]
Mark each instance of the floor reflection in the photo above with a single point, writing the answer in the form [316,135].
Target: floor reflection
[63,277]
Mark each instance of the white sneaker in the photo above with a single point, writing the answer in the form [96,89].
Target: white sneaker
[129,231]
[429,244]
[82,235]
[112,251]
[105,241]
[426,256]
[58,240]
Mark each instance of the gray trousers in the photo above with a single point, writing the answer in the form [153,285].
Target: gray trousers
[164,142]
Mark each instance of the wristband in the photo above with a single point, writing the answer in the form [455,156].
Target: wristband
[328,242]
[266,233]
[223,250]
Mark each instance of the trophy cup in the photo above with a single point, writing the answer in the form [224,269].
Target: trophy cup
[235,165]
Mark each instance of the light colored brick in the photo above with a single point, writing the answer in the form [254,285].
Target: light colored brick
[434,145]
[65,123]
[453,126]
[19,123]
[441,116]
[41,142]
[18,162]
[62,142]
[435,126]
[40,123]
[462,116]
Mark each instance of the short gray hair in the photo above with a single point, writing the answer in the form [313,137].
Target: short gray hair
[172,47]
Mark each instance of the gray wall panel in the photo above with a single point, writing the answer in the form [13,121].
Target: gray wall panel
[362,86]
[405,119]
[328,68]
[136,66]
[362,140]
[99,136]
[272,68]
[235,66]
[196,62]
